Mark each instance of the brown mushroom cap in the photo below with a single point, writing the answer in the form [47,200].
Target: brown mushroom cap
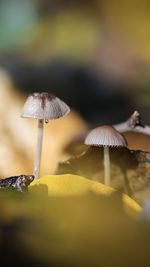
[44,106]
[105,136]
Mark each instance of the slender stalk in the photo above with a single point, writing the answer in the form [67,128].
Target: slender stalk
[38,149]
[106,165]
[127,184]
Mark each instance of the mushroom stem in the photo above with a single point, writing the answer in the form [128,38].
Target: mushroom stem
[106,165]
[38,149]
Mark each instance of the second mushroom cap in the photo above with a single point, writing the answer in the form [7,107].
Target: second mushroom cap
[105,136]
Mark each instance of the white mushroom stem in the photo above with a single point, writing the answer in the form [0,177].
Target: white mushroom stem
[38,152]
[106,165]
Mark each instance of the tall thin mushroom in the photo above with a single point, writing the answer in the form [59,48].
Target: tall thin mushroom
[44,107]
[106,136]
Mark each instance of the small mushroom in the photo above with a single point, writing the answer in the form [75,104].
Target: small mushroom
[43,107]
[106,136]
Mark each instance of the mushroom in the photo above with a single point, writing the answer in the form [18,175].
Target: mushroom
[106,136]
[44,107]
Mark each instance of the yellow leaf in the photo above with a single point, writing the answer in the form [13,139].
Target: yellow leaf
[70,185]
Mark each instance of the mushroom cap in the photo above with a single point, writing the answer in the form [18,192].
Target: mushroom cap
[44,106]
[105,136]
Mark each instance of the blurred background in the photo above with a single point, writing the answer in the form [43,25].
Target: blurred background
[94,54]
